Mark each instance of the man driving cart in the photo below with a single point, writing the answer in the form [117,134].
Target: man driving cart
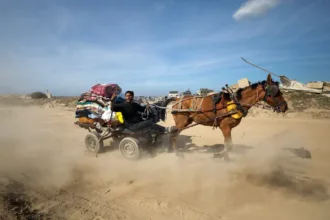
[131,112]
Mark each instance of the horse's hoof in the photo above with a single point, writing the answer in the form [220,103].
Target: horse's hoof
[221,155]
[153,154]
[169,150]
[179,154]
[218,155]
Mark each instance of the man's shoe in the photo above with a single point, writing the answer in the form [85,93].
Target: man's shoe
[153,138]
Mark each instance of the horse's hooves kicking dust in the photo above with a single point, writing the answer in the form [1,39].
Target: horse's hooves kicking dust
[179,154]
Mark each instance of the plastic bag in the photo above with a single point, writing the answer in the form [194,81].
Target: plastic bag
[115,116]
[106,116]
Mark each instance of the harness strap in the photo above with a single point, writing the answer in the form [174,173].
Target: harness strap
[180,103]
[200,104]
[215,123]
[220,116]
[267,93]
[238,104]
[194,103]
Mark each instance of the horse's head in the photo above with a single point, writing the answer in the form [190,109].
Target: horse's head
[273,96]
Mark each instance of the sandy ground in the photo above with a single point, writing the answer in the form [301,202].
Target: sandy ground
[45,172]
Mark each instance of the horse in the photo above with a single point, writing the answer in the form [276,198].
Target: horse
[214,110]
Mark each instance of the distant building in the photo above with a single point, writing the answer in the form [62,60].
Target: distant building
[173,94]
[187,92]
[139,100]
[204,91]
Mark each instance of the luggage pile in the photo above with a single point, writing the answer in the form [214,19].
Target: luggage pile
[94,105]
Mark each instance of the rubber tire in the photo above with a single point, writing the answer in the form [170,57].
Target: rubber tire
[94,136]
[134,144]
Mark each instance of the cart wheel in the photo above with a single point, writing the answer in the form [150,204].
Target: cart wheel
[129,148]
[92,142]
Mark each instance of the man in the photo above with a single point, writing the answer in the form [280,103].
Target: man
[132,117]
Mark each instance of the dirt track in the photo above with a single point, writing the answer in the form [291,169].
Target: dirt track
[45,172]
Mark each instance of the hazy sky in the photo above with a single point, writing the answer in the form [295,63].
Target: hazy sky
[153,46]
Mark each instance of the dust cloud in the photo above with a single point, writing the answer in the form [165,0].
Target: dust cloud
[45,169]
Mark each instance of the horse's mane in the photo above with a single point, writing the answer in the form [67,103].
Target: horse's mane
[225,94]
[252,86]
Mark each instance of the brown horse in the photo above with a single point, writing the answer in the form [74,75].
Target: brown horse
[212,110]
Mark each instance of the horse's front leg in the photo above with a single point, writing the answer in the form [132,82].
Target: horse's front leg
[227,144]
[226,129]
[226,126]
[228,141]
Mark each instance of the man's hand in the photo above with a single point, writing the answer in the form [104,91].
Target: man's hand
[114,95]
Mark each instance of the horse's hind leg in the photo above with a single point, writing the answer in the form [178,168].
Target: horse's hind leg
[180,123]
[173,140]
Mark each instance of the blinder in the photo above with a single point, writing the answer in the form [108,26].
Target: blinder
[271,91]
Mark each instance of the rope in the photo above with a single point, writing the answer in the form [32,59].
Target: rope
[160,107]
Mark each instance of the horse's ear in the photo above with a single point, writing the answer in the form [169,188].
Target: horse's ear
[269,79]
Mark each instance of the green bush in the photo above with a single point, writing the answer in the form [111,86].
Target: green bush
[38,95]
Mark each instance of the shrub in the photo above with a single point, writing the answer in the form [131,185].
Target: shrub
[38,95]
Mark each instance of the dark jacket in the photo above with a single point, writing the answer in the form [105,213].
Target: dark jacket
[130,111]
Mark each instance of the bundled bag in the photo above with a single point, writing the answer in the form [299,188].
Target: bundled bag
[105,90]
[95,104]
[101,94]
[92,109]
[91,97]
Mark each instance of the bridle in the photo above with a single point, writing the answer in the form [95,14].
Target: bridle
[271,92]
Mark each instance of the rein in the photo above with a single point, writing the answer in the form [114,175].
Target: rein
[256,104]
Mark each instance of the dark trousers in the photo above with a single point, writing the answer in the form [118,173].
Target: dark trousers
[147,126]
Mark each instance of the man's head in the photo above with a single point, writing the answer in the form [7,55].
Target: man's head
[129,95]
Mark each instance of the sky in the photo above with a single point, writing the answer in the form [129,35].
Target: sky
[154,46]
